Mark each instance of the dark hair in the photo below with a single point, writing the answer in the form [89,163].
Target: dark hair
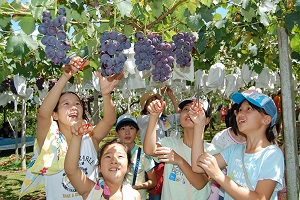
[81,102]
[232,118]
[269,132]
[114,141]
[144,111]
[5,124]
[127,123]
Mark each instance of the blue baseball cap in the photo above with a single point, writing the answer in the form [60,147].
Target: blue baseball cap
[126,118]
[261,100]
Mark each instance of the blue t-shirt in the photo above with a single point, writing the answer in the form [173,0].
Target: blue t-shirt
[266,164]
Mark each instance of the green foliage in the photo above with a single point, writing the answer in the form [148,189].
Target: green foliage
[247,34]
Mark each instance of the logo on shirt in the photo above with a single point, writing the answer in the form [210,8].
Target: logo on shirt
[177,175]
[66,181]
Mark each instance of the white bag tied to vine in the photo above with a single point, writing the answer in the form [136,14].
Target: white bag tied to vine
[186,73]
[216,77]
[199,82]
[3,98]
[231,84]
[20,84]
[246,73]
[135,81]
[263,80]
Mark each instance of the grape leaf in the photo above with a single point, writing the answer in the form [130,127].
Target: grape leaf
[27,23]
[125,7]
[295,45]
[297,4]
[3,2]
[157,8]
[90,29]
[4,21]
[220,23]
[195,22]
[79,37]
[248,14]
[38,3]
[246,4]
[236,1]
[206,2]
[93,45]
[137,10]
[263,17]
[268,6]
[19,45]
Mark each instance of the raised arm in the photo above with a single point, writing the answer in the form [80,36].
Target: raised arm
[107,85]
[263,190]
[197,115]
[171,96]
[46,109]
[167,155]
[155,108]
[173,99]
[77,177]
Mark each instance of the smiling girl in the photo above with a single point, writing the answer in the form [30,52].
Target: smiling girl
[254,169]
[114,161]
[56,115]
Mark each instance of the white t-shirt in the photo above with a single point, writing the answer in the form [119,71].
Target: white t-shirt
[58,186]
[97,191]
[175,185]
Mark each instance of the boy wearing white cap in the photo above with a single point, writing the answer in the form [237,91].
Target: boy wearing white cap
[254,170]
[127,130]
[180,182]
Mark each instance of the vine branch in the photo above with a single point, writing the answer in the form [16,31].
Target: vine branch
[149,26]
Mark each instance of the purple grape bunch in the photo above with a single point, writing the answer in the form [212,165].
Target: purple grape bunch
[184,43]
[51,83]
[8,83]
[39,83]
[112,57]
[162,61]
[144,51]
[55,37]
[151,49]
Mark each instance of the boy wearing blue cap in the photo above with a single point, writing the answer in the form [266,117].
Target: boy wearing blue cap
[127,130]
[254,170]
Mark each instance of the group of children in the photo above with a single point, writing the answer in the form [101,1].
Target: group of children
[69,164]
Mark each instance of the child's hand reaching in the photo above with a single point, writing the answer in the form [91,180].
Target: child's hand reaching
[197,113]
[76,64]
[156,107]
[81,127]
[167,155]
[109,83]
[209,164]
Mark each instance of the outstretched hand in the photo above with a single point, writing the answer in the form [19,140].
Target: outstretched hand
[109,83]
[76,63]
[81,127]
[167,155]
[209,164]
[197,113]
[156,107]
